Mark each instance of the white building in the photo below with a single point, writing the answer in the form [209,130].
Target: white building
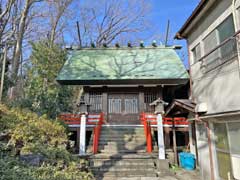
[213,41]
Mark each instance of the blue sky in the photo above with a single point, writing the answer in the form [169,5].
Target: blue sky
[177,11]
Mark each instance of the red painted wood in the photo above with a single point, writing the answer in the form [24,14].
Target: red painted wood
[151,119]
[149,138]
[147,131]
[92,119]
[97,132]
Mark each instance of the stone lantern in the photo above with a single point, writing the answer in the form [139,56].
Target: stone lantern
[158,106]
[83,106]
[159,111]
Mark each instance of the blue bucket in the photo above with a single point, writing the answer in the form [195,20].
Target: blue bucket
[187,160]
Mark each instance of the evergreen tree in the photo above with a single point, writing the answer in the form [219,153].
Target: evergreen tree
[42,93]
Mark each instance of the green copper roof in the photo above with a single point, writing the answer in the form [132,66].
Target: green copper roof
[87,66]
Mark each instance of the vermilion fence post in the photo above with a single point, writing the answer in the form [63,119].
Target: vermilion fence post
[149,138]
[96,135]
[147,130]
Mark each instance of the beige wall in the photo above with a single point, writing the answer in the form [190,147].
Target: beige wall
[219,88]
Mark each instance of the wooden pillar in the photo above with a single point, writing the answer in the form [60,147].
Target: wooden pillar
[141,102]
[167,137]
[86,97]
[174,142]
[105,105]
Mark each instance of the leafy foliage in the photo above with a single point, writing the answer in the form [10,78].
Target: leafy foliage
[43,94]
[30,134]
[12,169]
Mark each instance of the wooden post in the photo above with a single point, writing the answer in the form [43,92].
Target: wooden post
[161,146]
[149,138]
[174,142]
[105,105]
[141,102]
[96,135]
[3,72]
[167,137]
[82,143]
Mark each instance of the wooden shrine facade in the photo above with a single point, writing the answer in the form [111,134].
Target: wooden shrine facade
[121,105]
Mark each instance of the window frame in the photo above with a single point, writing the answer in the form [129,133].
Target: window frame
[195,58]
[219,60]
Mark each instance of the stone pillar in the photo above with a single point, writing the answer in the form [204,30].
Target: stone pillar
[82,143]
[161,147]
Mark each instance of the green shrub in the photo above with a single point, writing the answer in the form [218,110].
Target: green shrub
[30,134]
[12,169]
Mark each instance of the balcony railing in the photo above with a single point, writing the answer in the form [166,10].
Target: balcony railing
[221,54]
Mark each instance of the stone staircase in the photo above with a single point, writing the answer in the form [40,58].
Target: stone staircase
[122,153]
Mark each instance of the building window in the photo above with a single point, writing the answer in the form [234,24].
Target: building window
[95,101]
[131,106]
[196,52]
[234,136]
[227,51]
[115,106]
[149,97]
[225,31]
[222,150]
[234,145]
[210,42]
[202,132]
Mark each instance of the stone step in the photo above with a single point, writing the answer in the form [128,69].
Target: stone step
[124,168]
[123,146]
[135,173]
[121,139]
[119,142]
[129,156]
[122,162]
[126,136]
[129,129]
[121,151]
[122,133]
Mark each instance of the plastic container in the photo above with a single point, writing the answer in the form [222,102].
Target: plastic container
[187,160]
